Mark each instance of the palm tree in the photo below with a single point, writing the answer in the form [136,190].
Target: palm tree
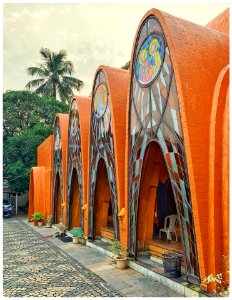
[53,77]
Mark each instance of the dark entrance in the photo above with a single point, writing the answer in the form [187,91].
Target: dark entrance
[157,211]
[75,207]
[103,212]
[57,200]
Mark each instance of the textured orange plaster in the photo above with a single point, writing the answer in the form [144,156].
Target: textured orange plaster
[221,22]
[36,192]
[196,67]
[45,153]
[40,181]
[218,229]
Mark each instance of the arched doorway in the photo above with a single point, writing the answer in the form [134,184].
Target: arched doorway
[156,202]
[57,200]
[75,207]
[103,210]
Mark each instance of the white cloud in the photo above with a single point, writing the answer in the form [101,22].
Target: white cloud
[93,34]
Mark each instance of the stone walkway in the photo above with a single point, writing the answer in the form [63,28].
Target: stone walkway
[34,267]
[37,266]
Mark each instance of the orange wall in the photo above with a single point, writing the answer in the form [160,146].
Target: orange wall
[36,192]
[45,153]
[41,181]
[219,159]
[221,22]
[196,66]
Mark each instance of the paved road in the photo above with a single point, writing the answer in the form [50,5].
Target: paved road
[34,267]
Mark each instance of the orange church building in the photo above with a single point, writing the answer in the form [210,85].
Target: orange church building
[145,158]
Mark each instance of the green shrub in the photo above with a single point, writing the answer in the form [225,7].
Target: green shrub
[77,231]
[117,248]
[38,216]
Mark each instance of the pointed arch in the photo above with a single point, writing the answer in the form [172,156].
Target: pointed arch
[155,116]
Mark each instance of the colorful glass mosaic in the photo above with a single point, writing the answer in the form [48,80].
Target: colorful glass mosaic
[102,147]
[100,99]
[57,167]
[155,116]
[74,157]
[149,59]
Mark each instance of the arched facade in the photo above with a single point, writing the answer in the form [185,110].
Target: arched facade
[193,98]
[77,160]
[59,168]
[155,116]
[151,144]
[108,94]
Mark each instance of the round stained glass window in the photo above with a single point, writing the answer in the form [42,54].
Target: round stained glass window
[100,100]
[149,59]
[74,119]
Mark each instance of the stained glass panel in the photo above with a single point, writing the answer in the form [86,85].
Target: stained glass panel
[74,157]
[102,147]
[154,105]
[149,59]
[100,99]
[57,168]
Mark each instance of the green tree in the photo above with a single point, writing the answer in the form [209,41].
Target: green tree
[52,76]
[27,120]
[126,66]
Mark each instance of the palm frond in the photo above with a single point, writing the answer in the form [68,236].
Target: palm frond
[36,71]
[64,91]
[66,68]
[46,53]
[61,55]
[73,82]
[45,89]
[42,67]
[35,83]
[47,58]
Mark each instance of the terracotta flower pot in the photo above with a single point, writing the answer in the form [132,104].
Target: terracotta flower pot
[121,262]
[75,239]
[36,222]
[82,240]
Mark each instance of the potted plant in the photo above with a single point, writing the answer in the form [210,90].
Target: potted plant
[82,239]
[77,232]
[38,219]
[49,221]
[61,228]
[121,253]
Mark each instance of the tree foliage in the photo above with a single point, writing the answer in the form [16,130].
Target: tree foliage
[52,75]
[27,120]
[126,66]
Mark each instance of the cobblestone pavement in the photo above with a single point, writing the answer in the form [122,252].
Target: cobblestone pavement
[34,267]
